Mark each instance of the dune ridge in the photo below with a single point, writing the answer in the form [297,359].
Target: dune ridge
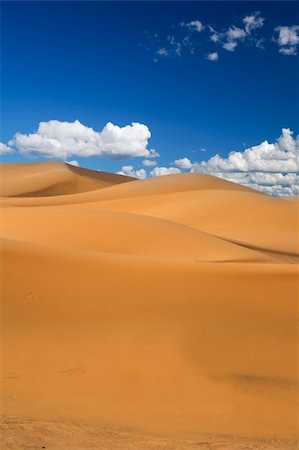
[165,308]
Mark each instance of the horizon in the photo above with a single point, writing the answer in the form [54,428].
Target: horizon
[149,89]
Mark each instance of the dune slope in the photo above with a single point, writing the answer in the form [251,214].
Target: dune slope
[151,314]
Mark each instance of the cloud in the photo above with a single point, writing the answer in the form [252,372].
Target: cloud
[183,163]
[288,50]
[175,46]
[61,140]
[230,46]
[269,167]
[288,35]
[213,56]
[253,22]
[234,33]
[153,154]
[215,36]
[272,168]
[161,171]
[282,156]
[149,163]
[5,149]
[162,51]
[230,37]
[129,171]
[287,39]
[73,163]
[194,25]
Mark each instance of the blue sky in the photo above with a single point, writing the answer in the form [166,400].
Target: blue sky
[124,62]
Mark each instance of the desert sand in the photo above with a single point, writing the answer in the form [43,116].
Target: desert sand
[146,314]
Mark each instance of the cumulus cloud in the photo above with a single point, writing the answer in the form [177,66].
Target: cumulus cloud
[129,171]
[230,46]
[194,25]
[252,22]
[234,33]
[183,163]
[231,36]
[282,156]
[149,163]
[153,154]
[270,167]
[73,163]
[61,140]
[161,171]
[287,38]
[5,149]
[213,56]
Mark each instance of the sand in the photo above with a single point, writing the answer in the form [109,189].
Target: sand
[146,314]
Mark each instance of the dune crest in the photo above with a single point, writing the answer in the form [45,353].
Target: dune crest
[165,307]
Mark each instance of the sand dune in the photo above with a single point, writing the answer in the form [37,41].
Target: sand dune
[150,314]
[51,179]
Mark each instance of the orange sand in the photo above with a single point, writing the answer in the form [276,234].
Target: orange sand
[146,314]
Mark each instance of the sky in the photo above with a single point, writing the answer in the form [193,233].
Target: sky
[152,88]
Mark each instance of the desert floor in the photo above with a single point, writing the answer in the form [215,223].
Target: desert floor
[146,314]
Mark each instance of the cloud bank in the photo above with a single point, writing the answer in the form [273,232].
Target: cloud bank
[270,167]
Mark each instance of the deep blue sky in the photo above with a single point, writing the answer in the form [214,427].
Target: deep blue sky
[94,61]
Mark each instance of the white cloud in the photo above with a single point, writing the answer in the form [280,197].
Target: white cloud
[129,171]
[287,39]
[282,156]
[194,25]
[265,166]
[213,56]
[288,50]
[230,46]
[55,139]
[234,33]
[5,149]
[162,52]
[230,37]
[149,163]
[175,46]
[215,36]
[252,22]
[73,163]
[153,154]
[183,163]
[288,35]
[161,171]
[269,167]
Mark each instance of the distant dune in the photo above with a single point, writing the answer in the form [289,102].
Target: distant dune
[146,314]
